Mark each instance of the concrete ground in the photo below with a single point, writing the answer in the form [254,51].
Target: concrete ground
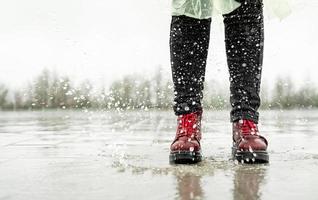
[112,155]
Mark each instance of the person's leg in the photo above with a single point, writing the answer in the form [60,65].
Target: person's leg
[244,39]
[189,41]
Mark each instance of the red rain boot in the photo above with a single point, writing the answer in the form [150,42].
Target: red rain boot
[248,145]
[185,149]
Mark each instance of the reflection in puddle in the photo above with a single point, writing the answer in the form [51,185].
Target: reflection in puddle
[189,187]
[247,181]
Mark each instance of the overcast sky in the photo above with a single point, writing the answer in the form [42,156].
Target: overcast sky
[103,40]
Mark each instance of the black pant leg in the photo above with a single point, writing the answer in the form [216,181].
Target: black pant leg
[189,42]
[244,41]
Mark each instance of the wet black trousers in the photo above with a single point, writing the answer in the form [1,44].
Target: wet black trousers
[244,39]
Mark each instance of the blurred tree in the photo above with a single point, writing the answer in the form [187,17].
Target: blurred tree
[3,95]
[158,87]
[83,95]
[283,93]
[54,91]
[115,91]
[62,93]
[306,96]
[265,99]
[41,90]
[146,100]
[167,95]
[18,100]
[128,84]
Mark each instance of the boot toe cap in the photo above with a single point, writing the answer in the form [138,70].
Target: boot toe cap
[252,144]
[185,145]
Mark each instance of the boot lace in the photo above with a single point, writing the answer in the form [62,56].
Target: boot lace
[248,127]
[188,125]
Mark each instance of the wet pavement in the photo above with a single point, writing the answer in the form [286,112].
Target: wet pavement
[114,155]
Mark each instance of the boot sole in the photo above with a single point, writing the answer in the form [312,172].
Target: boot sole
[185,157]
[255,157]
